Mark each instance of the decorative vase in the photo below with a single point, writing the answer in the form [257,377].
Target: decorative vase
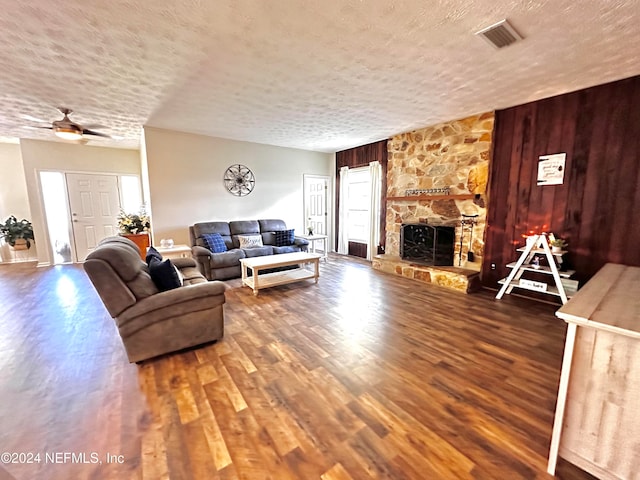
[531,239]
[556,249]
[20,244]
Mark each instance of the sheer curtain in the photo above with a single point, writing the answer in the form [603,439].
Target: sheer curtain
[343,212]
[375,177]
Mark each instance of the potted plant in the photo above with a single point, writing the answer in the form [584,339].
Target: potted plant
[557,245]
[133,223]
[135,227]
[17,233]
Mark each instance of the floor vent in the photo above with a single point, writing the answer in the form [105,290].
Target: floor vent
[500,34]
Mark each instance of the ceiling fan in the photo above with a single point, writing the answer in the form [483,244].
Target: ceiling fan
[69,130]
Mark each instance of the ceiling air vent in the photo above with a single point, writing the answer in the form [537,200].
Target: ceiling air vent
[500,34]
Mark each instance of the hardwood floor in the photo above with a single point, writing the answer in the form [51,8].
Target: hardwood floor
[365,375]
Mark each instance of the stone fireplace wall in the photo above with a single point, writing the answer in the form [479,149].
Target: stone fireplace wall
[454,155]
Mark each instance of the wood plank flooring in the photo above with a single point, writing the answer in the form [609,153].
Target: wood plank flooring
[365,375]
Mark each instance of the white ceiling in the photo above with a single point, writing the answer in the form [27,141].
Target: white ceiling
[321,75]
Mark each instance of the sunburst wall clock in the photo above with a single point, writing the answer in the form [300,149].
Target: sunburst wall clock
[239,180]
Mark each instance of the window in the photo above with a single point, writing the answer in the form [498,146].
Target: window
[56,211]
[131,197]
[359,204]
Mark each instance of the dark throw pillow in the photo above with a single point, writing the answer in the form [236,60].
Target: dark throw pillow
[214,242]
[164,274]
[284,238]
[153,253]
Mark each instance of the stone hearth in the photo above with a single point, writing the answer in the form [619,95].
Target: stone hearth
[461,279]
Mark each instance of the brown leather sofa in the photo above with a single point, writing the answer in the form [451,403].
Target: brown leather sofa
[151,322]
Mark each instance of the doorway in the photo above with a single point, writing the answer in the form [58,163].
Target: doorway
[316,203]
[316,206]
[82,208]
[94,202]
[359,210]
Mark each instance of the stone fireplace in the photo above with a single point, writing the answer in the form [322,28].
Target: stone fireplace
[427,244]
[450,158]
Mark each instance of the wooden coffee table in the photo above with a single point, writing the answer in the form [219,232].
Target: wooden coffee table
[258,282]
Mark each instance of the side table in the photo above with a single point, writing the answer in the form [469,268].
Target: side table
[312,242]
[177,251]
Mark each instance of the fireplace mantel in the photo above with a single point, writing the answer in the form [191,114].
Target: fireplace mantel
[464,196]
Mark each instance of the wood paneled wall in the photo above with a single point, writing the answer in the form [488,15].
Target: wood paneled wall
[361,157]
[596,208]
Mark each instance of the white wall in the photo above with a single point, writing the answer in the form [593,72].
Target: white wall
[185,179]
[13,193]
[39,155]
[13,187]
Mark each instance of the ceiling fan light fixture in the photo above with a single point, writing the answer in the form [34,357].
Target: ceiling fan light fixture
[68,133]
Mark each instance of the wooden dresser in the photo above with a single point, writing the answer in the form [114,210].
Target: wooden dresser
[597,422]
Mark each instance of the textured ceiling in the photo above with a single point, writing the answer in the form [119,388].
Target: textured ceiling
[317,75]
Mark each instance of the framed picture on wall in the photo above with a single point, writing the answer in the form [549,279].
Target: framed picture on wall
[551,169]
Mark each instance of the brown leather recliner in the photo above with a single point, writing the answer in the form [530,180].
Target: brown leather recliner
[151,322]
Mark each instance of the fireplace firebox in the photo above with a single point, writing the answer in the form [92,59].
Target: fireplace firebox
[427,244]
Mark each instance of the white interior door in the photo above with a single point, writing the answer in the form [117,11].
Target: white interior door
[94,203]
[316,203]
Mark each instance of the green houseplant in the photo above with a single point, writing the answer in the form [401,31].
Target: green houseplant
[18,232]
[557,244]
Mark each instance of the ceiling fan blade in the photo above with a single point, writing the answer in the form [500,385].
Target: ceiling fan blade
[36,127]
[91,126]
[31,118]
[93,132]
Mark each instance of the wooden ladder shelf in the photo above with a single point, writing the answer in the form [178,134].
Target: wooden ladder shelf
[539,245]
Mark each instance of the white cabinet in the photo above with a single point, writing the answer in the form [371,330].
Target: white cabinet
[597,426]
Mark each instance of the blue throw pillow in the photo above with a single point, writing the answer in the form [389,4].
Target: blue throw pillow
[152,253]
[164,274]
[214,242]
[284,238]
